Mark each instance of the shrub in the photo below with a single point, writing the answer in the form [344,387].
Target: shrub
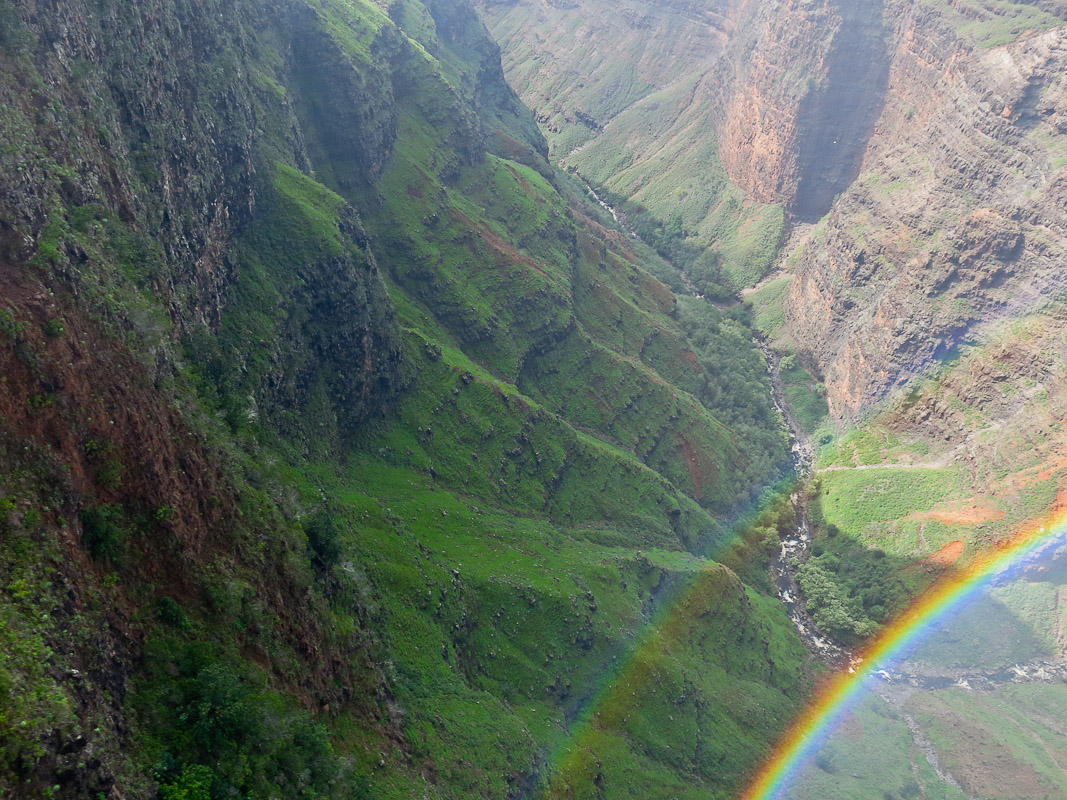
[228,735]
[54,328]
[171,613]
[9,325]
[101,532]
[194,783]
[825,762]
[102,453]
[323,538]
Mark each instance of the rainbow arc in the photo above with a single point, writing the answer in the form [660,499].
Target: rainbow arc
[841,692]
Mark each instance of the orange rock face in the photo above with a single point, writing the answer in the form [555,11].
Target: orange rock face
[954,223]
[806,91]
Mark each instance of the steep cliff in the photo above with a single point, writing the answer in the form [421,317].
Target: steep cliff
[803,86]
[760,112]
[954,221]
[345,446]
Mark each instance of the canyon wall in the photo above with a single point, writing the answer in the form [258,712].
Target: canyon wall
[929,133]
[955,222]
[800,89]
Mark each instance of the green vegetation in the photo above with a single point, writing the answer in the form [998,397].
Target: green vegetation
[872,755]
[227,734]
[32,706]
[857,576]
[768,306]
[435,461]
[806,396]
[860,502]
[659,164]
[843,617]
[987,634]
[993,23]
[851,587]
[103,533]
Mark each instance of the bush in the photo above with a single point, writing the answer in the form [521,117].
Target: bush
[323,538]
[194,783]
[171,613]
[101,532]
[228,735]
[831,610]
[825,762]
[53,329]
[103,454]
[910,789]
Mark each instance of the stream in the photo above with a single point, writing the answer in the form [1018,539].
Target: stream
[618,216]
[794,547]
[905,678]
[894,684]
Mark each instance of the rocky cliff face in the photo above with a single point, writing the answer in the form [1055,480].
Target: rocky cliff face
[954,222]
[137,147]
[803,85]
[937,126]
[693,111]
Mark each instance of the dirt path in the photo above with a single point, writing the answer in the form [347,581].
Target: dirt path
[862,467]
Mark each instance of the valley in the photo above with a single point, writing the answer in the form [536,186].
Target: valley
[926,390]
[529,399]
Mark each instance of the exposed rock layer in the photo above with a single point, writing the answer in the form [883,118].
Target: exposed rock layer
[956,220]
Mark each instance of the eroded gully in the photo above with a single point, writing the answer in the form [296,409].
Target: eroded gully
[794,547]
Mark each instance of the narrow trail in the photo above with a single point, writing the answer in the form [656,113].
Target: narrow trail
[862,467]
[929,752]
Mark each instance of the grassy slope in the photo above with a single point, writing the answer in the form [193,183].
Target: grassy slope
[659,159]
[872,756]
[418,605]
[994,23]
[578,67]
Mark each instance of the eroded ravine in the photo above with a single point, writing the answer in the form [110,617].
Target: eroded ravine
[794,547]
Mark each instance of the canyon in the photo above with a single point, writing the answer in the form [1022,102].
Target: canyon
[523,398]
[914,151]
[937,126]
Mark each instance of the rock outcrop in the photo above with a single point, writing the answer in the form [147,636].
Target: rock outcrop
[955,222]
[803,83]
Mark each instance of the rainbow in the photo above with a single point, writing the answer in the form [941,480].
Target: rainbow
[841,692]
